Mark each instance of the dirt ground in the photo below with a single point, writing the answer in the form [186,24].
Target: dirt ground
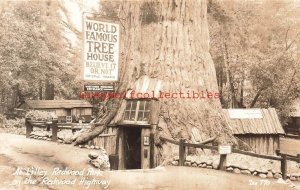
[18,153]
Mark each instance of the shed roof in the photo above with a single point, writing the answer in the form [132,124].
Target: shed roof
[268,124]
[296,107]
[51,104]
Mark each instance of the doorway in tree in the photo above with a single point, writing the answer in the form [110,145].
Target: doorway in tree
[132,149]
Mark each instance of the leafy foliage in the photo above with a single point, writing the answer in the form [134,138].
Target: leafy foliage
[255,50]
[33,50]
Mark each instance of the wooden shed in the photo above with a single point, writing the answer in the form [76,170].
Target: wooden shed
[67,111]
[293,125]
[130,135]
[259,128]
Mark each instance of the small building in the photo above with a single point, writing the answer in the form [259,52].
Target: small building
[67,111]
[293,125]
[259,128]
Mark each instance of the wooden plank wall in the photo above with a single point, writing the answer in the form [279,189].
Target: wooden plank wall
[262,144]
[107,140]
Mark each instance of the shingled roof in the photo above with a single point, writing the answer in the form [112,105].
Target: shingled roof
[268,124]
[51,104]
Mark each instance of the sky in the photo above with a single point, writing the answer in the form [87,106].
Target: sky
[76,9]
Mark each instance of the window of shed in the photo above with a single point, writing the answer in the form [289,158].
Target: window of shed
[137,110]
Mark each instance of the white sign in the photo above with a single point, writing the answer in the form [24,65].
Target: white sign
[245,113]
[226,149]
[101,50]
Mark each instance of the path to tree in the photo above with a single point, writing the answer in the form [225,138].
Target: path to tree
[17,151]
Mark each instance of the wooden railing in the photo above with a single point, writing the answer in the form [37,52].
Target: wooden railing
[53,125]
[223,157]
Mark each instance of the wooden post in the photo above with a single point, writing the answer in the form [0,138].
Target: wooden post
[284,166]
[29,127]
[145,149]
[121,148]
[54,130]
[223,162]
[114,161]
[181,152]
[152,150]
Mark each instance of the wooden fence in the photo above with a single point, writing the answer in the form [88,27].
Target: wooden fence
[107,139]
[223,157]
[53,125]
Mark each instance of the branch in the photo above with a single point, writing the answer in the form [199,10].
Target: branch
[287,47]
[292,42]
[286,34]
[71,28]
[256,98]
[290,84]
[212,139]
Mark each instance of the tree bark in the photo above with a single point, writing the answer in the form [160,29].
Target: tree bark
[171,43]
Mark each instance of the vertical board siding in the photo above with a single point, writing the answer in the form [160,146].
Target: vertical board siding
[262,144]
[106,142]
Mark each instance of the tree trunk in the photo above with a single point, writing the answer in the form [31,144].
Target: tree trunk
[169,40]
[49,91]
[256,98]
[40,91]
[241,99]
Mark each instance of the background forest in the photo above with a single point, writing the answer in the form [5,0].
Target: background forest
[255,48]
[254,45]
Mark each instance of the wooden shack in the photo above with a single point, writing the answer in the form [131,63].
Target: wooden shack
[259,128]
[130,135]
[293,125]
[67,111]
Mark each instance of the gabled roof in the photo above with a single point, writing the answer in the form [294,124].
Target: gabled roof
[268,124]
[67,104]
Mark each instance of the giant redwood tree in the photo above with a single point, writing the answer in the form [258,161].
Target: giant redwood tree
[168,40]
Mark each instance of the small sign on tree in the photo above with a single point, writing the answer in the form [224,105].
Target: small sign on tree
[99,88]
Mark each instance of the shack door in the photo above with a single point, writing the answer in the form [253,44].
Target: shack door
[132,149]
